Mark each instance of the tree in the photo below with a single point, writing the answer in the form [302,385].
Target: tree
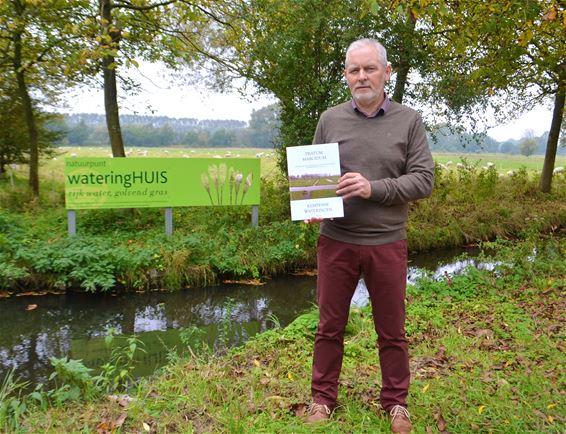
[35,40]
[291,49]
[528,144]
[264,127]
[78,134]
[13,129]
[507,53]
[118,33]
[223,138]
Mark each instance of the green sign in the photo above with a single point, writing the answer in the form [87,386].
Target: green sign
[160,182]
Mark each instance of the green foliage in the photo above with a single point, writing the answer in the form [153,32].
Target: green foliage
[118,249]
[116,374]
[225,325]
[472,203]
[12,403]
[72,380]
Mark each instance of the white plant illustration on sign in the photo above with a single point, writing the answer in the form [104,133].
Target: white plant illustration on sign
[220,178]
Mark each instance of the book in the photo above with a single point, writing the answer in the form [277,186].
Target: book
[313,173]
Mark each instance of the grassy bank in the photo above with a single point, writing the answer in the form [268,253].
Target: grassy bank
[118,249]
[486,356]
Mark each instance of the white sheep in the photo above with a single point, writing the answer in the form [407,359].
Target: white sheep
[558,169]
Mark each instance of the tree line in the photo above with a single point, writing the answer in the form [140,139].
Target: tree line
[90,130]
[461,60]
[84,129]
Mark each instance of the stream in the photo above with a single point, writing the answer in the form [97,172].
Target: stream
[35,328]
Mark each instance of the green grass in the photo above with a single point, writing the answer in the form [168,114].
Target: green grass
[486,355]
[503,162]
[53,169]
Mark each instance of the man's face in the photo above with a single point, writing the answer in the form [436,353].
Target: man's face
[366,76]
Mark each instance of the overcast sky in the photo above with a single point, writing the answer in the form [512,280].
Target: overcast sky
[174,100]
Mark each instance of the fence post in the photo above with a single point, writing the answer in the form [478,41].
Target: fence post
[169,221]
[72,222]
[255,216]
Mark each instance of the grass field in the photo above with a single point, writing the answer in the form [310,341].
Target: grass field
[503,162]
[53,169]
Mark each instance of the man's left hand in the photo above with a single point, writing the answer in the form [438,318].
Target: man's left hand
[353,184]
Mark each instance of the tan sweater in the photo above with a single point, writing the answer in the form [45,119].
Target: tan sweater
[389,150]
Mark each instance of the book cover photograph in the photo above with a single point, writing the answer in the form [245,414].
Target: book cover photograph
[313,172]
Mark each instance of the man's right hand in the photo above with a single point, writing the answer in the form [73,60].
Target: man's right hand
[313,220]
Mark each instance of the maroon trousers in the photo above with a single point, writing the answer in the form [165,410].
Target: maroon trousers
[384,268]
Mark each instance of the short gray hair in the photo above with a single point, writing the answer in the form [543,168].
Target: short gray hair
[368,42]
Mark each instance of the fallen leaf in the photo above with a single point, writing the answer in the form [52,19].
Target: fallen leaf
[257,363]
[487,333]
[146,427]
[441,423]
[426,387]
[251,282]
[299,410]
[264,381]
[31,306]
[290,376]
[103,427]
[549,406]
[305,273]
[120,420]
[550,15]
[481,408]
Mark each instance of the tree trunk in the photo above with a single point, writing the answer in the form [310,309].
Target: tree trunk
[401,80]
[553,135]
[405,57]
[23,94]
[110,88]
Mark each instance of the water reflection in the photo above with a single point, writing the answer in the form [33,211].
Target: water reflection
[75,324]
[436,264]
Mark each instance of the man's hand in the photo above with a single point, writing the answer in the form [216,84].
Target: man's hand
[353,184]
[313,220]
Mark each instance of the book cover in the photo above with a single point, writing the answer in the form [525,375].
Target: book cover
[313,172]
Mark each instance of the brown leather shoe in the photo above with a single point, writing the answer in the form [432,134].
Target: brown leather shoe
[400,420]
[318,413]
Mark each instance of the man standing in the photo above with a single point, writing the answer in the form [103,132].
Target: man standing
[386,163]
